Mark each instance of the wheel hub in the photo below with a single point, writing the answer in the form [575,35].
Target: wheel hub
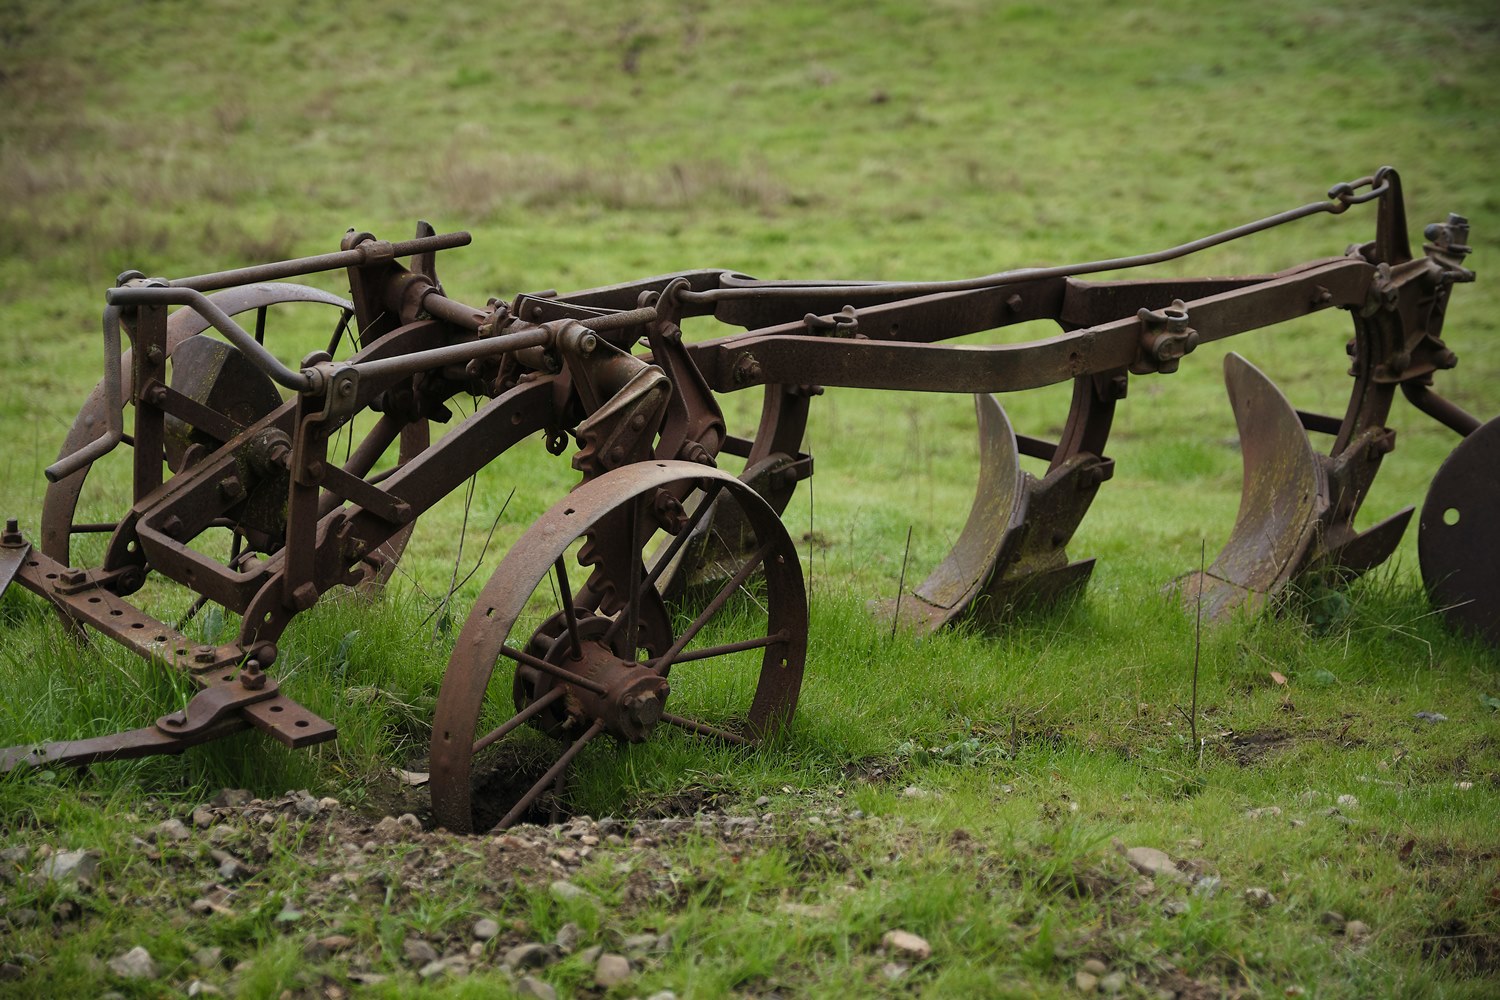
[630,696]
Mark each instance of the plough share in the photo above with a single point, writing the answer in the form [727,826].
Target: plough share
[580,632]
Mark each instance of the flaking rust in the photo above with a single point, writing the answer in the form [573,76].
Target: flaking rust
[640,575]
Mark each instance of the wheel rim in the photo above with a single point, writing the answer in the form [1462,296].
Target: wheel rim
[609,671]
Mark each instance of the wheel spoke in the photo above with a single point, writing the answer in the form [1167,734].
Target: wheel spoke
[669,657]
[704,729]
[709,496]
[553,773]
[520,718]
[97,528]
[569,611]
[561,673]
[708,652]
[633,589]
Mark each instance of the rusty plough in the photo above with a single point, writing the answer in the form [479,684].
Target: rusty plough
[577,613]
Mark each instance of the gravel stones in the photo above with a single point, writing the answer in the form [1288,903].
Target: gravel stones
[77,866]
[532,955]
[564,891]
[1152,862]
[418,952]
[136,963]
[906,944]
[398,826]
[486,929]
[534,989]
[611,970]
[172,829]
[568,937]
[1259,899]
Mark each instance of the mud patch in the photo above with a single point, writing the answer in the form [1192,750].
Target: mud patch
[1248,748]
[1463,949]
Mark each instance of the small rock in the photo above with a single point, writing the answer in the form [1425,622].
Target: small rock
[1259,899]
[1356,930]
[337,942]
[1095,967]
[531,955]
[1113,983]
[65,911]
[1348,801]
[534,989]
[894,970]
[1463,786]
[568,936]
[419,952]
[231,798]
[1085,982]
[1207,886]
[80,866]
[564,891]
[476,950]
[434,969]
[913,792]
[1174,907]
[1432,718]
[1150,861]
[23,917]
[486,929]
[1263,812]
[221,834]
[136,963]
[907,944]
[203,817]
[662,995]
[314,950]
[1333,920]
[763,801]
[328,804]
[611,970]
[641,943]
[172,829]
[209,958]
[198,988]
[230,870]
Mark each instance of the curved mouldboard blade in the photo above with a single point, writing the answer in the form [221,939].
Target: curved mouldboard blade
[1458,541]
[949,591]
[1283,496]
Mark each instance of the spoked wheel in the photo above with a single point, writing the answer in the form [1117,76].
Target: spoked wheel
[722,541]
[215,374]
[606,657]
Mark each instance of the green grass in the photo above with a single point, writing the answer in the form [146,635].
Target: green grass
[586,144]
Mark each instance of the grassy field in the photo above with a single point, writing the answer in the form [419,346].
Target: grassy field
[976,791]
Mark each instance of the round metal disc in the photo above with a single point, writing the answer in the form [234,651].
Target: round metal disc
[1458,543]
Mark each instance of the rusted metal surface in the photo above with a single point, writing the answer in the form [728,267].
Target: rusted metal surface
[611,647]
[228,435]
